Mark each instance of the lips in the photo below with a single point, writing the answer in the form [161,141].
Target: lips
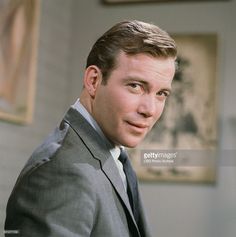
[138,127]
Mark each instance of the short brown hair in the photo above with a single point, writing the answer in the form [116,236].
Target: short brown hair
[132,37]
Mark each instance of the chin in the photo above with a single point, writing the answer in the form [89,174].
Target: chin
[131,143]
[131,146]
[129,140]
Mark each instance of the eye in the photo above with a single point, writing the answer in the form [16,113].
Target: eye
[135,87]
[163,94]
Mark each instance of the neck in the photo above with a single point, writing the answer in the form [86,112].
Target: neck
[86,101]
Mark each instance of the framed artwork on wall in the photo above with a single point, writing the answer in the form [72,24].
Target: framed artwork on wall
[182,146]
[18,53]
[130,1]
[146,1]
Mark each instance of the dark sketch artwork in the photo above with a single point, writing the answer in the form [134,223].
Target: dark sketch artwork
[189,121]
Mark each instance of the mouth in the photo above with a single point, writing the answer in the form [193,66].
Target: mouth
[138,127]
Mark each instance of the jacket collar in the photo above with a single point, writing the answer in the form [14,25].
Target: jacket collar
[98,149]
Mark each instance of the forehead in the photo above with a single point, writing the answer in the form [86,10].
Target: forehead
[145,66]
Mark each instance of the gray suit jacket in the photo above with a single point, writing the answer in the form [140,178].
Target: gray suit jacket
[71,187]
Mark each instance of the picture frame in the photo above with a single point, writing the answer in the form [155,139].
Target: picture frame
[133,1]
[182,146]
[18,58]
[149,1]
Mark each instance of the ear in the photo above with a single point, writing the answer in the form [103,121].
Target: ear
[92,79]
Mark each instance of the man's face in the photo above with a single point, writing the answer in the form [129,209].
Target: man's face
[133,98]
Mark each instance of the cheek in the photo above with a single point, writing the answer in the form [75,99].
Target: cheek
[121,102]
[159,111]
[113,106]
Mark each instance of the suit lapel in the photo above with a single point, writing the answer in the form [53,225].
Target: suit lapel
[98,149]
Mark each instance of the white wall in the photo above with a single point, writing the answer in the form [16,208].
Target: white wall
[68,30]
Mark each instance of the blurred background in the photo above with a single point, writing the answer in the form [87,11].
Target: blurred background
[67,30]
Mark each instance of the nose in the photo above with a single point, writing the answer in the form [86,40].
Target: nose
[149,106]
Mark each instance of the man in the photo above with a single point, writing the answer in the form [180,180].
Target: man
[79,182]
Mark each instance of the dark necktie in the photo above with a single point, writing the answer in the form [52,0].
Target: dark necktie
[132,186]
